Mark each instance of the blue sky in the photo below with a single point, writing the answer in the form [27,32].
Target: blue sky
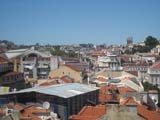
[78,21]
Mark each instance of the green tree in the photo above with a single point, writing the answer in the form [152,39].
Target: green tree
[151,42]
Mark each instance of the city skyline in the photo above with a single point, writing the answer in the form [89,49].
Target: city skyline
[74,22]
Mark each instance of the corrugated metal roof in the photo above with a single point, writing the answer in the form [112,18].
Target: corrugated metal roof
[62,90]
[12,55]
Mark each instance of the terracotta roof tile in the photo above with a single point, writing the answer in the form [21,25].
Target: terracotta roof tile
[123,90]
[90,113]
[2,60]
[48,83]
[2,112]
[101,79]
[15,106]
[106,96]
[129,101]
[73,68]
[156,65]
[67,79]
[142,63]
[148,114]
[30,111]
[97,53]
[135,73]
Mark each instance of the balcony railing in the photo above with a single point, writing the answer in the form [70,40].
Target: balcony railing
[153,72]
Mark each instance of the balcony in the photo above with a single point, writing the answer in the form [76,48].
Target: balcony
[42,66]
[43,73]
[153,72]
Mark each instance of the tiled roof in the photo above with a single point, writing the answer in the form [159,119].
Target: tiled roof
[101,79]
[2,60]
[135,73]
[74,68]
[90,113]
[142,63]
[48,83]
[57,80]
[123,90]
[156,65]
[27,112]
[67,79]
[125,58]
[2,112]
[78,66]
[129,101]
[97,53]
[106,96]
[148,114]
[15,106]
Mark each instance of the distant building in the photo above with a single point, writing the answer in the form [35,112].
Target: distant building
[32,63]
[139,68]
[156,50]
[9,78]
[68,70]
[154,74]
[110,61]
[129,40]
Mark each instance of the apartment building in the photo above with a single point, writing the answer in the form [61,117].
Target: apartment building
[34,64]
[10,78]
[154,74]
[110,61]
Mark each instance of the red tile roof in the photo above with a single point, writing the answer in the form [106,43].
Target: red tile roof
[15,106]
[148,114]
[48,83]
[125,58]
[90,113]
[123,90]
[30,112]
[135,73]
[97,53]
[73,68]
[2,112]
[2,60]
[101,79]
[106,96]
[142,63]
[129,101]
[156,65]
[67,79]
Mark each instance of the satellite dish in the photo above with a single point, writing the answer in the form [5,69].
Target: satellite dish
[46,105]
[154,100]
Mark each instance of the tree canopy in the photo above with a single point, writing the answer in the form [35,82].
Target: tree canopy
[151,42]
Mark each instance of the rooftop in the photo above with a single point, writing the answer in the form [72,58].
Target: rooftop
[90,113]
[156,65]
[3,60]
[71,89]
